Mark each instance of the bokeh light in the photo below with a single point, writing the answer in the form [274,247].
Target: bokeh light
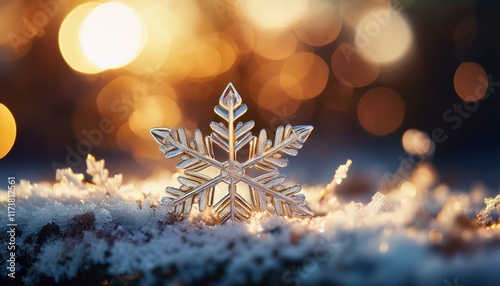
[470,81]
[425,174]
[386,35]
[435,236]
[243,36]
[154,111]
[69,40]
[112,35]
[261,75]
[275,45]
[321,25]
[211,57]
[119,98]
[339,96]
[305,75]
[416,142]
[157,45]
[354,10]
[274,13]
[14,44]
[381,111]
[7,130]
[350,66]
[272,95]
[465,33]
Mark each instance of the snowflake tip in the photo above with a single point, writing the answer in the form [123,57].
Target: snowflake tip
[230,94]
[303,131]
[159,134]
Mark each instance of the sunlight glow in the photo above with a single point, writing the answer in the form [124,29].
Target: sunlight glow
[69,42]
[274,13]
[7,129]
[112,35]
[388,36]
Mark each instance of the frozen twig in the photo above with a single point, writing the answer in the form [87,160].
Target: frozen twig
[484,216]
[340,175]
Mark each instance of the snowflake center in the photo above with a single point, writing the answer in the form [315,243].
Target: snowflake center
[232,172]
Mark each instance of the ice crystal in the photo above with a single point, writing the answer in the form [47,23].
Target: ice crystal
[340,175]
[484,216]
[264,155]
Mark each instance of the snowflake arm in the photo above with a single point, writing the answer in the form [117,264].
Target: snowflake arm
[195,157]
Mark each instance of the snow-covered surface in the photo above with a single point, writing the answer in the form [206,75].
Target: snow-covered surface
[109,233]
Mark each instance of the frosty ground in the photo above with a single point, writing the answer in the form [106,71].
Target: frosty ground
[106,232]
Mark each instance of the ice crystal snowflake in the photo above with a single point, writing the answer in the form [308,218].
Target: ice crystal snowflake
[264,159]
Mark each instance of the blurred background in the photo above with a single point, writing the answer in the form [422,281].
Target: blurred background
[385,83]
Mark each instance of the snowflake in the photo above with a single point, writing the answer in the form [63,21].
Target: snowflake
[259,172]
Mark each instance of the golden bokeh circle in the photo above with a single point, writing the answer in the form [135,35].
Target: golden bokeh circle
[8,130]
[381,111]
[470,81]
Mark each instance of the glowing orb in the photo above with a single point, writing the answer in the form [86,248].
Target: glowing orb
[272,14]
[385,34]
[69,42]
[470,81]
[416,142]
[381,111]
[112,35]
[7,129]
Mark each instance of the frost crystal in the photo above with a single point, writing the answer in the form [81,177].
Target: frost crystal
[484,217]
[264,157]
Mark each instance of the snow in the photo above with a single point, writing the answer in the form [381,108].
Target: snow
[81,233]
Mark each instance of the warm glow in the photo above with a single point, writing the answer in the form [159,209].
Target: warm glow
[12,48]
[207,61]
[243,36]
[306,74]
[274,13]
[210,57]
[470,81]
[435,236]
[353,11]
[69,42]
[119,97]
[465,33]
[409,189]
[350,66]
[261,75]
[339,96]
[425,174]
[416,142]
[385,35]
[154,111]
[321,25]
[7,130]
[157,47]
[272,94]
[112,35]
[383,247]
[275,45]
[381,111]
